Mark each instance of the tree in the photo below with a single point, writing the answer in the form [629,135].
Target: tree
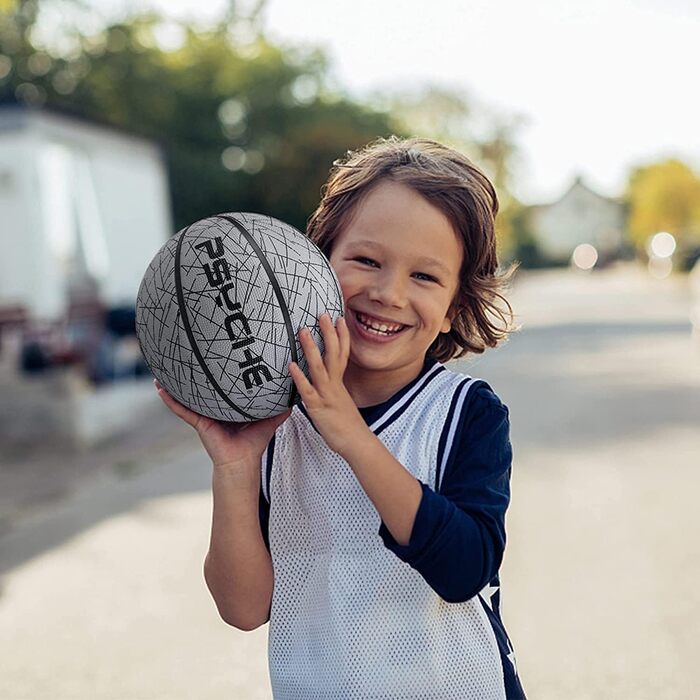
[664,196]
[245,125]
[450,116]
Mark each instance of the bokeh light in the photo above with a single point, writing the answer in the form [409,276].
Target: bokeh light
[660,268]
[233,158]
[662,245]
[585,256]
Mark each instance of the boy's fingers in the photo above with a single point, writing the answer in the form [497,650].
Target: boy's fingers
[303,385]
[331,343]
[343,339]
[313,356]
[190,417]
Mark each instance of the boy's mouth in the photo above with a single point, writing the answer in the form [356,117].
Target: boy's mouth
[377,326]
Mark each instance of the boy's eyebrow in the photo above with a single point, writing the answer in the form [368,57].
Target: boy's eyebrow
[423,260]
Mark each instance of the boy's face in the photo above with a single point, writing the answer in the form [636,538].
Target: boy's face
[398,262]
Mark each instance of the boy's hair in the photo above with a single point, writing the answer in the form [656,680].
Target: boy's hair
[454,185]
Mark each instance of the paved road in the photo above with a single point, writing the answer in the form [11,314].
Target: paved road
[601,572]
[102,595]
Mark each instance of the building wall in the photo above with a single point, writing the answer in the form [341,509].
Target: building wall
[580,216]
[134,232]
[85,202]
[24,275]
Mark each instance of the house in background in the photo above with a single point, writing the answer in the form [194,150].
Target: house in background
[581,215]
[83,210]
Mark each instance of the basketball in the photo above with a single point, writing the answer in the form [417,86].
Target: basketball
[219,309]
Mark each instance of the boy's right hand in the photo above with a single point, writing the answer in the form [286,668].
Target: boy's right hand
[227,444]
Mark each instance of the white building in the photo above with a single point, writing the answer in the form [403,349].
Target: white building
[579,216]
[83,210]
[79,204]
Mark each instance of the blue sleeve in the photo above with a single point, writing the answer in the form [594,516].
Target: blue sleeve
[458,537]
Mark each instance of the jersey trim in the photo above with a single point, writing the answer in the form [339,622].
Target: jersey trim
[395,410]
[267,461]
[449,430]
[509,667]
[395,405]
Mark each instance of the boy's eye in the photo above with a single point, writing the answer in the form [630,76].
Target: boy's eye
[423,276]
[426,277]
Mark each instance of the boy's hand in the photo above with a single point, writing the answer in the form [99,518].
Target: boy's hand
[228,444]
[327,401]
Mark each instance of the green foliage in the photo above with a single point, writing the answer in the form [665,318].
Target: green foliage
[244,124]
[664,196]
[518,241]
[242,127]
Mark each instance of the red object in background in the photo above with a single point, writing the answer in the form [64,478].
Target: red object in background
[14,316]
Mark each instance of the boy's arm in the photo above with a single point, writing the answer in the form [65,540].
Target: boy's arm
[238,567]
[394,491]
[458,537]
[454,538]
[459,529]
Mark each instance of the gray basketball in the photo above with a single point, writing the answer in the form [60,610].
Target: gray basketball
[219,309]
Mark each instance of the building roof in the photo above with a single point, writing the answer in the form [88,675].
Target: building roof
[578,183]
[14,117]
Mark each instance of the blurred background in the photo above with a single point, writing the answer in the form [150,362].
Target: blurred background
[123,122]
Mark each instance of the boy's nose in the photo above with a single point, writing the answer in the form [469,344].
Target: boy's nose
[389,290]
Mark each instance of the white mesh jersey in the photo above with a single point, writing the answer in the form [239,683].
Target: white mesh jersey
[349,619]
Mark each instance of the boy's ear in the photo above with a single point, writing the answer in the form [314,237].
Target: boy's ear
[452,313]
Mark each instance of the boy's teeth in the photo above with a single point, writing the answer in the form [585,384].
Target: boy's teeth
[378,326]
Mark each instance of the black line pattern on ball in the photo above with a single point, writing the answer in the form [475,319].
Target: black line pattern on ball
[150,310]
[281,300]
[251,286]
[188,329]
[309,293]
[220,359]
[271,275]
[220,335]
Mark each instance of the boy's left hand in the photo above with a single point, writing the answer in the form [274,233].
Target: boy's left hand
[327,401]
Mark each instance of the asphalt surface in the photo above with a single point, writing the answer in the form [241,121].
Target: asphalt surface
[101,590]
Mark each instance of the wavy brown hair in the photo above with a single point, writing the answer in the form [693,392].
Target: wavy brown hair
[481,315]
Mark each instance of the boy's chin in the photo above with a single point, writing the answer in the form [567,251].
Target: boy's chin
[378,362]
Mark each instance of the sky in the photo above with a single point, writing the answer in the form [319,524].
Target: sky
[599,86]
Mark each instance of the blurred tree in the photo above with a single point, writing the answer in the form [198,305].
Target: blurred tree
[520,237]
[449,116]
[245,124]
[664,196]
[17,17]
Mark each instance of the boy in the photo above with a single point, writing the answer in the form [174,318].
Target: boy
[372,536]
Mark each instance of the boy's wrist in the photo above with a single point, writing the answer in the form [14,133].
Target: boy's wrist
[240,473]
[356,443]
